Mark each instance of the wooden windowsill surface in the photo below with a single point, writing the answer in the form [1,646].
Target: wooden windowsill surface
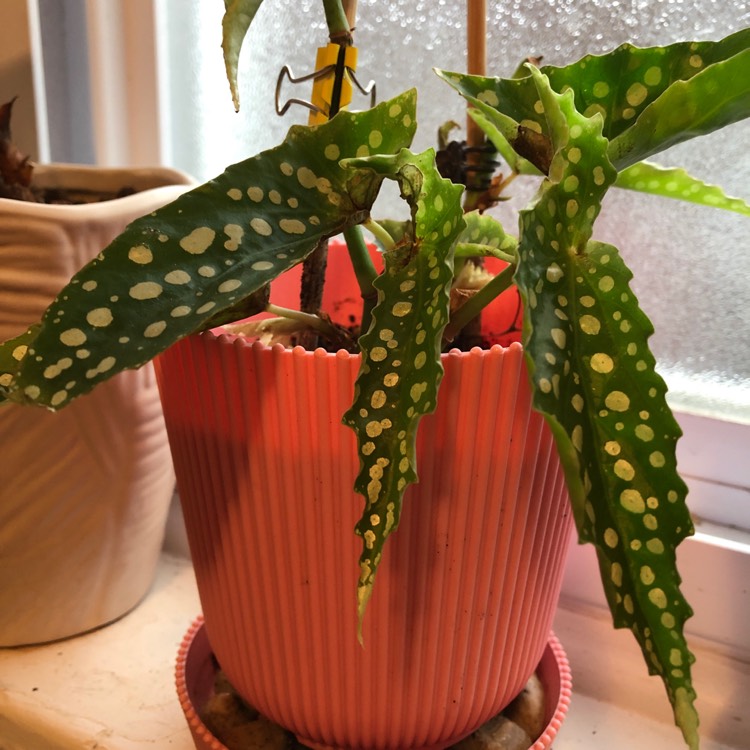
[113,689]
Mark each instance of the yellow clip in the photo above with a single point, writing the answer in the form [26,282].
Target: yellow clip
[323,86]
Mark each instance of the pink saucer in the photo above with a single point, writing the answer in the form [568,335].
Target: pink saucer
[195,673]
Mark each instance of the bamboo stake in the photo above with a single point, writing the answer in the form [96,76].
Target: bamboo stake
[476,48]
[350,10]
[476,64]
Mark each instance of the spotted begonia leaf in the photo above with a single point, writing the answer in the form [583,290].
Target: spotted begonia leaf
[645,177]
[400,371]
[713,98]
[649,98]
[171,272]
[238,15]
[674,182]
[12,353]
[593,375]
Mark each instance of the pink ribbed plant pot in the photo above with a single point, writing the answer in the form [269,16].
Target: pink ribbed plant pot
[468,585]
[84,493]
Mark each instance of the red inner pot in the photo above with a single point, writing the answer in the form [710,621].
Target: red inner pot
[501,320]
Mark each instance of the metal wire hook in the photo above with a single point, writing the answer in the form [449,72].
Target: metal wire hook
[287,71]
[369,90]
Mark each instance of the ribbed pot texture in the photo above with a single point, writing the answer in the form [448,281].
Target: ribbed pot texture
[83,493]
[468,585]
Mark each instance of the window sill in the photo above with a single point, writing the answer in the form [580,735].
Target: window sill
[114,688]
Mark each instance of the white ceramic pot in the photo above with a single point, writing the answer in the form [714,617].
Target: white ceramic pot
[84,493]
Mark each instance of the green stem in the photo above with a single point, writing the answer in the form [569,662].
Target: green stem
[338,25]
[311,321]
[364,270]
[466,250]
[307,319]
[380,234]
[470,309]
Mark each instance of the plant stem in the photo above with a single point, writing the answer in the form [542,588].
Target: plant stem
[339,27]
[380,234]
[314,266]
[311,287]
[311,321]
[472,307]
[365,271]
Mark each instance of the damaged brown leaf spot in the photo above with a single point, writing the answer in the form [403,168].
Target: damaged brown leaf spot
[459,297]
[493,194]
[404,252]
[536,147]
[15,167]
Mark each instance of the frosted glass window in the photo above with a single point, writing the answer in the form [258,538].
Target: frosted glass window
[692,264]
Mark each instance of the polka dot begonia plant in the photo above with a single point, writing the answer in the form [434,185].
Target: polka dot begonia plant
[207,258]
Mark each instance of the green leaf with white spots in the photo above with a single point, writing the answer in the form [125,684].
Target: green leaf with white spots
[401,369]
[238,15]
[594,379]
[649,98]
[622,84]
[504,102]
[484,237]
[717,96]
[174,271]
[12,353]
[509,111]
[672,182]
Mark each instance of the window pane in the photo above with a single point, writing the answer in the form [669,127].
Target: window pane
[692,264]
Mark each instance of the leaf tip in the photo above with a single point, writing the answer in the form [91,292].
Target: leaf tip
[364,591]
[686,717]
